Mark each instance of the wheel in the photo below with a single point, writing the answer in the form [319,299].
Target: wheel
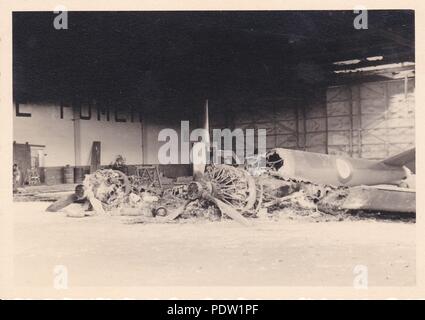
[233,186]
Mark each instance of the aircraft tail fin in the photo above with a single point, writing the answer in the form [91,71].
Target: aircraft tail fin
[406,158]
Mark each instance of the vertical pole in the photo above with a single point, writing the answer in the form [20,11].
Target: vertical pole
[350,97]
[387,102]
[206,124]
[305,127]
[297,126]
[77,135]
[274,125]
[144,120]
[326,126]
[360,122]
[201,149]
[142,142]
[406,82]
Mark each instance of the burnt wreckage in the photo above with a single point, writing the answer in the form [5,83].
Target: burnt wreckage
[299,181]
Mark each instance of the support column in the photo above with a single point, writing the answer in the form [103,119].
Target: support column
[77,136]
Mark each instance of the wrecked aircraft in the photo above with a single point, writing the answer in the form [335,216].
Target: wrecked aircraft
[299,181]
[387,185]
[339,170]
[231,192]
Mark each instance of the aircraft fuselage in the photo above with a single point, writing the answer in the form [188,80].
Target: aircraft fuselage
[336,170]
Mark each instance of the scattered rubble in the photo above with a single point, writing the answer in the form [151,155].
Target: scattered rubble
[111,187]
[224,192]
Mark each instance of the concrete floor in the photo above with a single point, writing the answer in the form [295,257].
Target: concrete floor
[104,251]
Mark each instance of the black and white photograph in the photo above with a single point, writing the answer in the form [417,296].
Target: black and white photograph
[213,148]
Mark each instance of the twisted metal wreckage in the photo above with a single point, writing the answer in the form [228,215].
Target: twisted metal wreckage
[296,181]
[301,182]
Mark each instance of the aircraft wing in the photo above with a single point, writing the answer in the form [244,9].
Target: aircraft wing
[406,158]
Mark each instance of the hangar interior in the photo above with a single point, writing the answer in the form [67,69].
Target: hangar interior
[310,78]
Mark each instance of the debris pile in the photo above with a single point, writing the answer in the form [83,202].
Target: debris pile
[223,192]
[120,193]
[282,196]
[111,187]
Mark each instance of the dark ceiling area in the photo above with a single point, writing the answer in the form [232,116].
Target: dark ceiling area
[132,57]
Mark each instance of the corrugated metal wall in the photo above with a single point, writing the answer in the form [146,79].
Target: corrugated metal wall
[290,123]
[371,120]
[279,118]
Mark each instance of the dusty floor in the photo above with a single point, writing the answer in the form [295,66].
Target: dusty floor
[103,251]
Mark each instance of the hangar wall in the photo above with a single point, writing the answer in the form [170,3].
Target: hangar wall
[371,120]
[44,125]
[61,137]
[152,124]
[64,136]
[289,122]
[46,128]
[117,138]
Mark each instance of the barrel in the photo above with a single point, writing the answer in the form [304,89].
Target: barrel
[78,174]
[68,173]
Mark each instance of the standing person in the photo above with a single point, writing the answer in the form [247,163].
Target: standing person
[16,178]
